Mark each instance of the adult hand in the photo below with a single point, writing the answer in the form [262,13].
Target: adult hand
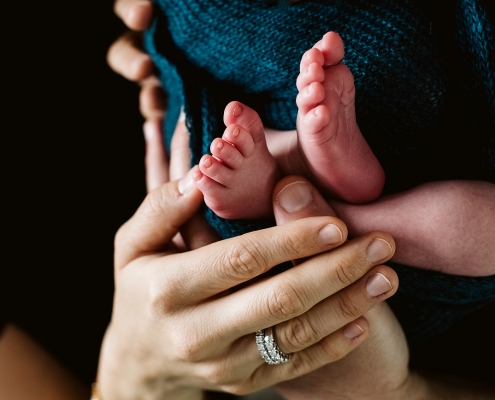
[175,330]
[378,368]
[127,58]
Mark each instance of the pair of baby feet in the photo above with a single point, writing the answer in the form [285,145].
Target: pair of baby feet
[238,178]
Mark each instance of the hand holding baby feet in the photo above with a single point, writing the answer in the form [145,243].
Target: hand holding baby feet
[332,147]
[238,178]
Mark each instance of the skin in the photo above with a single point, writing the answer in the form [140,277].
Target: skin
[187,302]
[28,371]
[415,385]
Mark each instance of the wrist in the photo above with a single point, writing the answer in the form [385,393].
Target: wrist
[121,377]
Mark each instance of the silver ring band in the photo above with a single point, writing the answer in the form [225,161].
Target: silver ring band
[268,348]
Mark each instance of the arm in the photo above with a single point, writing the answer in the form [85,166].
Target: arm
[28,371]
[436,225]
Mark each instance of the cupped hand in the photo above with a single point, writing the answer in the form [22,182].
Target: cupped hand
[181,322]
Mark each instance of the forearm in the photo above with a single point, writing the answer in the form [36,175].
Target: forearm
[28,371]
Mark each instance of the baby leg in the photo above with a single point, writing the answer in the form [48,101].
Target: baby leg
[446,226]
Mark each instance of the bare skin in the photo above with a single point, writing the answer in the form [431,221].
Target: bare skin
[331,149]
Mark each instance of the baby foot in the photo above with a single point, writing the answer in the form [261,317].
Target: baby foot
[238,179]
[331,145]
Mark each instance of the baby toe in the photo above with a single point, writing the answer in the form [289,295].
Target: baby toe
[241,114]
[240,138]
[215,170]
[313,73]
[310,96]
[227,152]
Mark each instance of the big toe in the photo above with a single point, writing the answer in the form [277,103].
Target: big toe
[332,48]
[240,114]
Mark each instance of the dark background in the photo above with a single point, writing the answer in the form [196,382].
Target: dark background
[72,154]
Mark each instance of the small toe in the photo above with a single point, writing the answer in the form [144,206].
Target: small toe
[315,120]
[313,73]
[310,96]
[309,57]
[240,138]
[227,152]
[213,191]
[214,169]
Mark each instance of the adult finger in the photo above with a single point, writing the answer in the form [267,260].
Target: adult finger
[295,291]
[330,349]
[127,59]
[338,310]
[295,198]
[230,262]
[345,305]
[152,99]
[136,14]
[157,220]
[180,152]
[156,162]
[196,232]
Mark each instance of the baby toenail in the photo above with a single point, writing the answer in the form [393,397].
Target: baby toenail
[207,163]
[220,145]
[308,89]
[236,132]
[237,111]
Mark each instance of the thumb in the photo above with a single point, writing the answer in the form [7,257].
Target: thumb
[157,220]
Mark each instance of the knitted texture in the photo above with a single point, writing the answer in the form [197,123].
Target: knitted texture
[425,98]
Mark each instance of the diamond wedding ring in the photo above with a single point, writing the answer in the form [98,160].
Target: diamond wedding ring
[268,349]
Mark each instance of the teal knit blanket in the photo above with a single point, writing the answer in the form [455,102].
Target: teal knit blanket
[425,98]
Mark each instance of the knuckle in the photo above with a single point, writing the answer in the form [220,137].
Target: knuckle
[284,301]
[294,245]
[347,306]
[344,271]
[332,350]
[216,375]
[187,349]
[245,260]
[160,295]
[299,366]
[297,335]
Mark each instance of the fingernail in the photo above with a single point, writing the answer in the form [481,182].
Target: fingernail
[377,250]
[295,196]
[377,284]
[186,183]
[330,234]
[149,129]
[182,115]
[352,330]
[138,62]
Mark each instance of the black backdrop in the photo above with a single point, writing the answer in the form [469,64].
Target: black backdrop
[72,155]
